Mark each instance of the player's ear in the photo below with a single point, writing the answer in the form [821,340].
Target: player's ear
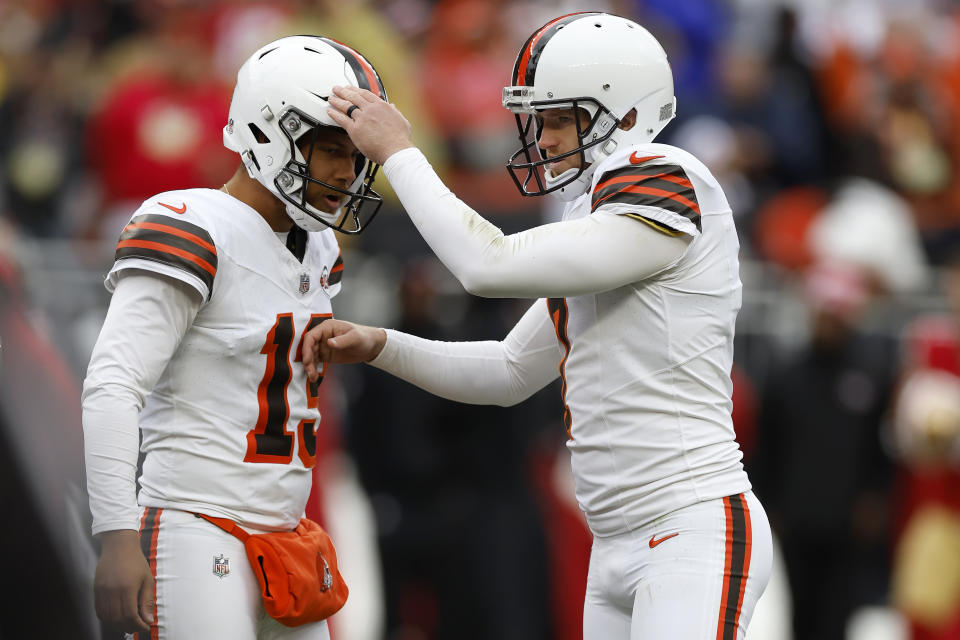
[629,120]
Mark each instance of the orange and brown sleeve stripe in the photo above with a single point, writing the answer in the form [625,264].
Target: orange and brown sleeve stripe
[662,186]
[336,273]
[173,242]
[736,567]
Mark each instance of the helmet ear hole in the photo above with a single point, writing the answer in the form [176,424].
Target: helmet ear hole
[629,120]
[258,135]
[584,120]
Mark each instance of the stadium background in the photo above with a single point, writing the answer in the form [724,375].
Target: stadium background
[833,126]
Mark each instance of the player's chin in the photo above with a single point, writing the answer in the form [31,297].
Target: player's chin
[556,168]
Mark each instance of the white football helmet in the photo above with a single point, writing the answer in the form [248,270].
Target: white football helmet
[280,97]
[599,62]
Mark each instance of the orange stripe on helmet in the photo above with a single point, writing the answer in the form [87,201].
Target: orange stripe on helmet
[357,61]
[520,71]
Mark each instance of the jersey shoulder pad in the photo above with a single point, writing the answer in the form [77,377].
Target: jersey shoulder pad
[643,179]
[165,234]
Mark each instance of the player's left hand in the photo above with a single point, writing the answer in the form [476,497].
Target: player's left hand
[377,128]
[341,342]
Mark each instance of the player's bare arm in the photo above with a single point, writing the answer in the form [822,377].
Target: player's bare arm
[341,342]
[377,128]
[123,584]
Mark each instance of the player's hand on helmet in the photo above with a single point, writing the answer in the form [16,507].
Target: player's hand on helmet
[340,341]
[377,128]
[123,586]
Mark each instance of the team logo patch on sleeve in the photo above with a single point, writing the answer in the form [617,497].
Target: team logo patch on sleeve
[665,186]
[173,242]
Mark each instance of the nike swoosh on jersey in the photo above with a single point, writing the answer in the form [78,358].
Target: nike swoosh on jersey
[181,209]
[635,159]
[654,542]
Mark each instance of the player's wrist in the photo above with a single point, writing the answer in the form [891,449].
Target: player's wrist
[119,538]
[395,148]
[379,341]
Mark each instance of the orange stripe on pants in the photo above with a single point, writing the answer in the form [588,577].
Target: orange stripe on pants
[736,565]
[149,534]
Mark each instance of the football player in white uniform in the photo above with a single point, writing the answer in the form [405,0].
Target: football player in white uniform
[639,286]
[213,290]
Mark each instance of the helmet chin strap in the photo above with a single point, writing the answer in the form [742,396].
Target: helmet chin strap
[576,188]
[304,221]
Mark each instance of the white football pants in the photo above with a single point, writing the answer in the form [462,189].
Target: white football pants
[205,587]
[693,574]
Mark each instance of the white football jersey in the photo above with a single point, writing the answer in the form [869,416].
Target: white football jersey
[646,367]
[230,428]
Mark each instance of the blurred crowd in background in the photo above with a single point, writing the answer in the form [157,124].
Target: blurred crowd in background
[834,127]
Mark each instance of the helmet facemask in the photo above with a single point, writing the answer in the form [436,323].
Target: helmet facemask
[531,158]
[294,178]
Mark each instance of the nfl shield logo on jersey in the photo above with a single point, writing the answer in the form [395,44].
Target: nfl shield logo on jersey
[221,566]
[304,282]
